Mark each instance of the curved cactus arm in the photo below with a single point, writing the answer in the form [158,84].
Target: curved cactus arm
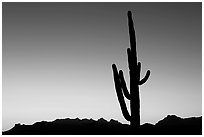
[120,94]
[138,70]
[123,85]
[145,78]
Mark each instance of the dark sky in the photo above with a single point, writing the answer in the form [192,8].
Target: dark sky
[57,60]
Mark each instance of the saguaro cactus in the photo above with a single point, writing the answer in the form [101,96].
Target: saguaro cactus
[134,72]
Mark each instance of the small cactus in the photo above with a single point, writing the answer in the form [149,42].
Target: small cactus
[134,72]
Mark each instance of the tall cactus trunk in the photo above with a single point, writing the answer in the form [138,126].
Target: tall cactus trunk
[134,72]
[135,108]
[134,88]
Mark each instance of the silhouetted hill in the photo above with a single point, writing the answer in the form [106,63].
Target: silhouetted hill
[171,125]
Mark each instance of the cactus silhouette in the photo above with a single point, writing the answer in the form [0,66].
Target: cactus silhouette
[134,72]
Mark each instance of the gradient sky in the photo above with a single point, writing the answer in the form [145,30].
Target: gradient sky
[57,60]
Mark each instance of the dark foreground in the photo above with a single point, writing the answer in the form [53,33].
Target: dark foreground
[171,125]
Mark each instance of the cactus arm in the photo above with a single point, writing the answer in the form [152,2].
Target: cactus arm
[120,94]
[145,78]
[123,85]
[138,70]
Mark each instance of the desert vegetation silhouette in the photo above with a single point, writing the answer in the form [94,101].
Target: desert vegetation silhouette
[134,72]
[170,125]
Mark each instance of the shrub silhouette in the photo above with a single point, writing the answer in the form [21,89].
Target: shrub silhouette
[134,72]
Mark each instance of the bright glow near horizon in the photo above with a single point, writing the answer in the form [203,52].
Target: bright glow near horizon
[57,60]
